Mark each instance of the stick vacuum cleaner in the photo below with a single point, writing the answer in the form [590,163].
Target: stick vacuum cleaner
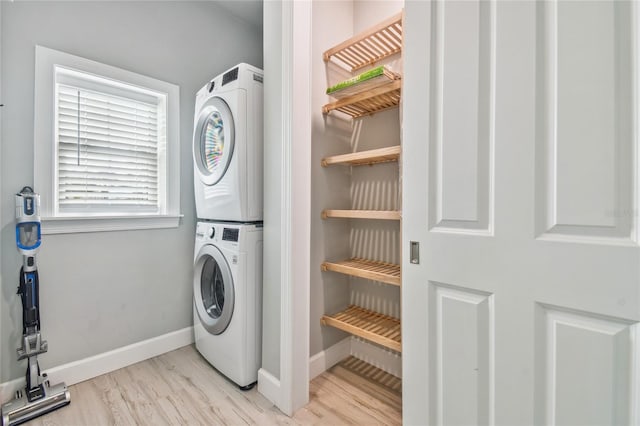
[38,396]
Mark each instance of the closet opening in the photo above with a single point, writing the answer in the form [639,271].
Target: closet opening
[355,368]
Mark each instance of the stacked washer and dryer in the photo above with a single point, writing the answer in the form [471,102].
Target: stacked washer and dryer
[227,283]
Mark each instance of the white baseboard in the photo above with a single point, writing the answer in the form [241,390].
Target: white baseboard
[384,359]
[269,386]
[88,368]
[324,360]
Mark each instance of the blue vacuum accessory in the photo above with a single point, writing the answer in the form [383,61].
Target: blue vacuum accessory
[28,236]
[28,233]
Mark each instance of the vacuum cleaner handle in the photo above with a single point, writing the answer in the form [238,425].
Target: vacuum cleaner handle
[29,294]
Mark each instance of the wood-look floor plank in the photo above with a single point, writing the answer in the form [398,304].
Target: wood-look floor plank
[181,388]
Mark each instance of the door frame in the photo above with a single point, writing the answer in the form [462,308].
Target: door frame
[294,360]
[296,205]
[291,391]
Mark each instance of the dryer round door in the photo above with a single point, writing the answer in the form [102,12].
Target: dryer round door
[213,289]
[213,140]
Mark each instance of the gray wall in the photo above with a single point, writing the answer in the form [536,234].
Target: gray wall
[101,291]
[272,186]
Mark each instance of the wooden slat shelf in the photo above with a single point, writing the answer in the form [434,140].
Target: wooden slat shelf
[362,214]
[372,91]
[378,328]
[370,46]
[369,102]
[389,383]
[388,273]
[374,156]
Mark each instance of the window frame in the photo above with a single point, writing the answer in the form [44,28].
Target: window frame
[45,147]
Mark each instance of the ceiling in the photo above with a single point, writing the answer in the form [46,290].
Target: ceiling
[249,11]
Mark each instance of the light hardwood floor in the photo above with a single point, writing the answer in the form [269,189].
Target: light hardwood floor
[181,388]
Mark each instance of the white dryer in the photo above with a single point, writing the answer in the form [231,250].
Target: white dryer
[227,298]
[228,148]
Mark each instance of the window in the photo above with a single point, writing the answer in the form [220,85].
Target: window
[108,139]
[106,150]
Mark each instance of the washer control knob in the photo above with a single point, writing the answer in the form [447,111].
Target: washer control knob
[212,232]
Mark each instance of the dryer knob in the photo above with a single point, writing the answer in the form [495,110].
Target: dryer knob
[212,232]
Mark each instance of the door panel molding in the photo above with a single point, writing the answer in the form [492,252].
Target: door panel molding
[463,109]
[462,337]
[586,167]
[583,357]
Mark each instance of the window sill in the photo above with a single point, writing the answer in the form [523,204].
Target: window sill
[73,225]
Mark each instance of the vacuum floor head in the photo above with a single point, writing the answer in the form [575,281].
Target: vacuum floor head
[20,410]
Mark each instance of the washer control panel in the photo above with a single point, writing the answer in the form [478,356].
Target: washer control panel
[230,234]
[225,233]
[205,231]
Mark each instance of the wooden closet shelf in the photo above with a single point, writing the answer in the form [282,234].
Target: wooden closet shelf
[362,214]
[369,102]
[378,328]
[374,156]
[388,273]
[390,384]
[370,46]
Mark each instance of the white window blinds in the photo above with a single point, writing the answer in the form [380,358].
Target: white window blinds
[107,152]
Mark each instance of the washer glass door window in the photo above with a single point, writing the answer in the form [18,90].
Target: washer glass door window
[214,141]
[213,290]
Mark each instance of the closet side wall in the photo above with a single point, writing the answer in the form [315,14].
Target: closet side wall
[369,12]
[376,188]
[331,134]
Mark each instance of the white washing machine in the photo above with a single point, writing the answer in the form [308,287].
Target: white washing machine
[228,148]
[227,298]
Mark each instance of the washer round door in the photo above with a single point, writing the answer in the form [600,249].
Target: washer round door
[213,141]
[213,290]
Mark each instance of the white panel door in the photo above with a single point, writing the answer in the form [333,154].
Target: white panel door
[520,184]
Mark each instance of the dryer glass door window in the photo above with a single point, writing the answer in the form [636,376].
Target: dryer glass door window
[213,290]
[213,142]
